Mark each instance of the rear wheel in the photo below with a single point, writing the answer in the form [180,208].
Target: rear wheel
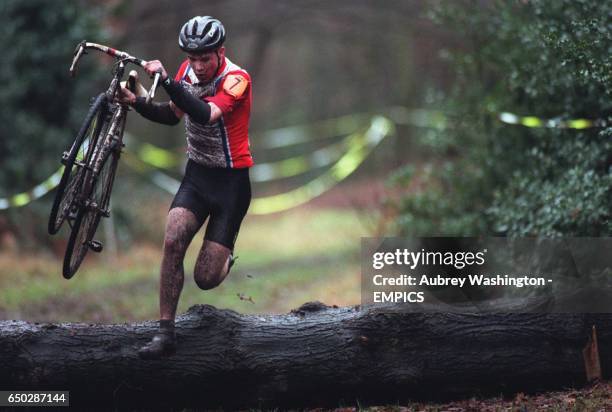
[89,215]
[74,160]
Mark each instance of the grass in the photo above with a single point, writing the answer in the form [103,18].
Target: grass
[285,260]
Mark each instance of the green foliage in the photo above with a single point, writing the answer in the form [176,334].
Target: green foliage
[548,58]
[42,107]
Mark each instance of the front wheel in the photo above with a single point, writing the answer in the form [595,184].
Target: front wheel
[88,217]
[74,160]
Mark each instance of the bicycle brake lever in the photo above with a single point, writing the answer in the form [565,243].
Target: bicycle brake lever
[80,50]
[151,93]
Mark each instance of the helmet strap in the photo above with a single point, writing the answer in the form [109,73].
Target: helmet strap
[218,60]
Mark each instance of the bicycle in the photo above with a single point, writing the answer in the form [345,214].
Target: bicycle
[83,193]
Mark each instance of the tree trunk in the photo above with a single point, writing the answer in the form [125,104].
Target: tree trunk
[314,356]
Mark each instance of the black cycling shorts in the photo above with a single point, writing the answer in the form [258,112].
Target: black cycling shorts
[222,194]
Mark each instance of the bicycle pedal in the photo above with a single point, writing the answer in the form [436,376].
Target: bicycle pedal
[95,246]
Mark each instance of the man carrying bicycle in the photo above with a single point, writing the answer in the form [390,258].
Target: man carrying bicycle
[214,96]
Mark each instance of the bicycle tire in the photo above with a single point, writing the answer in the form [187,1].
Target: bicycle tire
[88,218]
[80,150]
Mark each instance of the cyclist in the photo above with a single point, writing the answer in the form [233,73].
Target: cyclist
[214,96]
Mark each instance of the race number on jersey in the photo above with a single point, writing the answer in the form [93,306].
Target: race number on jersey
[235,85]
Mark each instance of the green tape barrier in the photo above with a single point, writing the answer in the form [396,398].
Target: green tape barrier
[162,180]
[362,145]
[41,189]
[38,191]
[534,122]
[293,135]
[436,119]
[265,172]
[288,136]
[158,157]
[151,154]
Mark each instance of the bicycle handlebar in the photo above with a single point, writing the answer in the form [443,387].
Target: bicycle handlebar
[121,55]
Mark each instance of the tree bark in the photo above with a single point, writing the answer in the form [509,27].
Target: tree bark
[314,356]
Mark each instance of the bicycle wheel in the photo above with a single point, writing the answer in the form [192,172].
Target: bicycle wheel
[89,214]
[79,153]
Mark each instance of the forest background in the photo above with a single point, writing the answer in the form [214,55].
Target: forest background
[490,118]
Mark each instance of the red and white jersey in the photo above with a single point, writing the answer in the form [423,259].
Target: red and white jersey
[224,143]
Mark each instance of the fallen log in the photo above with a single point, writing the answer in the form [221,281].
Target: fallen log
[314,356]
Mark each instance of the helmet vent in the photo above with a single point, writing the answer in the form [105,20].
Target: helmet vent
[207,29]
